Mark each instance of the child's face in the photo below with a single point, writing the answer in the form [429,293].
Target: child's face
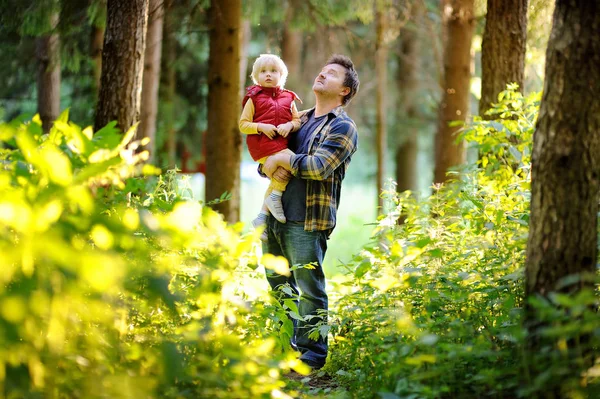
[269,75]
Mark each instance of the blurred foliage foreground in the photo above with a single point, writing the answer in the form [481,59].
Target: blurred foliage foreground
[114,285]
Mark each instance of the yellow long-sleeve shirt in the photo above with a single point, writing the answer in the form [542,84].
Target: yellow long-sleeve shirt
[247,126]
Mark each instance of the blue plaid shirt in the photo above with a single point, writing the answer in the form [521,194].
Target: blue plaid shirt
[324,166]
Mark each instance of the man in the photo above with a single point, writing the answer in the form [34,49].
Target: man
[323,147]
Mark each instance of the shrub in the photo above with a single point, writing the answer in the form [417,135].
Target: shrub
[113,283]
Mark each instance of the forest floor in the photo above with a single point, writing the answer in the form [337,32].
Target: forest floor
[317,382]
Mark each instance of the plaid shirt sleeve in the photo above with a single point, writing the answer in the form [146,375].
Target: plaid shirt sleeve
[339,143]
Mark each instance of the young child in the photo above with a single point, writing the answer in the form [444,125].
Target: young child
[269,115]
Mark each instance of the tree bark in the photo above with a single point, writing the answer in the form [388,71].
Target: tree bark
[245,35]
[291,47]
[48,78]
[566,152]
[407,81]
[503,49]
[381,58]
[151,78]
[168,86]
[457,75]
[223,139]
[96,44]
[122,63]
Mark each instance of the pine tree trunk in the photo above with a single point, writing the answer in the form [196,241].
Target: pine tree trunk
[407,82]
[151,79]
[381,57]
[48,79]
[223,139]
[96,44]
[122,63]
[168,86]
[457,75]
[563,232]
[245,35]
[291,48]
[503,49]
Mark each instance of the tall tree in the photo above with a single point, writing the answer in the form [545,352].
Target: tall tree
[459,22]
[97,40]
[291,46]
[122,63]
[169,84]
[151,78]
[407,81]
[48,78]
[381,71]
[223,141]
[503,49]
[563,234]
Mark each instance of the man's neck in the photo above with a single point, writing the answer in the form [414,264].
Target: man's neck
[326,105]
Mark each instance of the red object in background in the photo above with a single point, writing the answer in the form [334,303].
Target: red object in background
[188,164]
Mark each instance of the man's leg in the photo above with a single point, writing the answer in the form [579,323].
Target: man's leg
[276,281]
[303,248]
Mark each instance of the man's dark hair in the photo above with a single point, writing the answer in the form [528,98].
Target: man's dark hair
[351,80]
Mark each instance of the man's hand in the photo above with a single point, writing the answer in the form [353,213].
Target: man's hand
[269,130]
[274,161]
[284,129]
[282,175]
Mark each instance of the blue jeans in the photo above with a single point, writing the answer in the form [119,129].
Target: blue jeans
[301,247]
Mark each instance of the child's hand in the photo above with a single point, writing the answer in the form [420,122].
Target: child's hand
[284,129]
[269,130]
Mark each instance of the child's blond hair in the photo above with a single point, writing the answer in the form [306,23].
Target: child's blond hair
[268,59]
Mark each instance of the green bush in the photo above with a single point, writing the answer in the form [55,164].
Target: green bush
[113,285]
[434,307]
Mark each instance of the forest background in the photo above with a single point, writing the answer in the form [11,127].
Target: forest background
[305,34]
[459,268]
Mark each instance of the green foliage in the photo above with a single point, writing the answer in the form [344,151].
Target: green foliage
[113,284]
[434,307]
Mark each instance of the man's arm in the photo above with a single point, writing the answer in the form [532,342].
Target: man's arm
[341,142]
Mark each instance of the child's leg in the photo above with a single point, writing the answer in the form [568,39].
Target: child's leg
[273,200]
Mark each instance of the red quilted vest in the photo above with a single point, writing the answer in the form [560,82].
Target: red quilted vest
[271,105]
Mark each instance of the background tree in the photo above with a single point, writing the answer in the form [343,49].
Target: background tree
[122,63]
[97,39]
[459,20]
[223,140]
[407,79]
[503,49]
[151,77]
[563,235]
[48,79]
[381,68]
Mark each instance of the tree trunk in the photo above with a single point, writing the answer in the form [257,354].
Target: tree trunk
[566,152]
[151,79]
[407,81]
[503,49]
[223,139]
[245,35]
[457,75]
[96,44]
[381,57]
[122,63]
[168,86]
[291,48]
[48,79]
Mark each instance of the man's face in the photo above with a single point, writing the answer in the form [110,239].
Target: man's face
[331,80]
